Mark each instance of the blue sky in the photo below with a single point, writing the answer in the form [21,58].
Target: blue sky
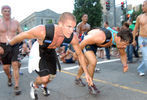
[23,8]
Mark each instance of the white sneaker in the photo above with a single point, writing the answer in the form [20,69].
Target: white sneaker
[97,69]
[141,74]
[33,92]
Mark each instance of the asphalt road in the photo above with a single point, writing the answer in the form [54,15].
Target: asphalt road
[111,81]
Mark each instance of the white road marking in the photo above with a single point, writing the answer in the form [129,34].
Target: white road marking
[12,70]
[106,61]
[69,68]
[74,67]
[1,72]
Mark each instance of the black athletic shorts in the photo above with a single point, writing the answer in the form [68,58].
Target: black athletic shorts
[15,52]
[47,63]
[91,48]
[10,53]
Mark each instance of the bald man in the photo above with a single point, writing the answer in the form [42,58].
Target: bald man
[8,29]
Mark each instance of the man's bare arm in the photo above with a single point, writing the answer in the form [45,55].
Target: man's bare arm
[19,28]
[81,59]
[135,31]
[20,37]
[78,29]
[87,41]
[34,33]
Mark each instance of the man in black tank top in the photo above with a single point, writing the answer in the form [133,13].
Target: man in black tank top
[49,38]
[101,38]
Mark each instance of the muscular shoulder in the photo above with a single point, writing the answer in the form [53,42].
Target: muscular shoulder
[15,21]
[38,31]
[40,27]
[140,16]
[75,39]
[79,24]
[96,34]
[94,31]
[87,24]
[141,19]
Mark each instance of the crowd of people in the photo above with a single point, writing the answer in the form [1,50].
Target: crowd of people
[84,45]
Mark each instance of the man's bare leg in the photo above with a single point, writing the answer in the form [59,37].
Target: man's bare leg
[41,80]
[15,66]
[78,79]
[35,85]
[6,69]
[91,68]
[80,72]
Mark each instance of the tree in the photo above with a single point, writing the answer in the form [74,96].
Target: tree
[50,21]
[136,13]
[91,7]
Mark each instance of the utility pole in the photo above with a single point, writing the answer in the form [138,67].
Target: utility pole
[114,13]
[126,6]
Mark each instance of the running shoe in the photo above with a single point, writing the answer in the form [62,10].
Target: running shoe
[93,90]
[45,91]
[17,91]
[141,74]
[9,82]
[80,82]
[97,69]
[33,91]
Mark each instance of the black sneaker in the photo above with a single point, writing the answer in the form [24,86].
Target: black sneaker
[33,92]
[93,90]
[80,82]
[17,91]
[45,91]
[9,82]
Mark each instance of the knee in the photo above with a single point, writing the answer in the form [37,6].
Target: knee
[15,65]
[5,67]
[93,63]
[45,80]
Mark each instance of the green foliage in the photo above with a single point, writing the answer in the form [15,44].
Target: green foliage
[50,21]
[91,7]
[136,13]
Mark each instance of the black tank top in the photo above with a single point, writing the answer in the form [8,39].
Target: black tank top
[50,35]
[107,34]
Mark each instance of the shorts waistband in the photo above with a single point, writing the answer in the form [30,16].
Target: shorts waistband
[3,43]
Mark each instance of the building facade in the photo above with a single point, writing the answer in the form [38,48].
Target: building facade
[39,18]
